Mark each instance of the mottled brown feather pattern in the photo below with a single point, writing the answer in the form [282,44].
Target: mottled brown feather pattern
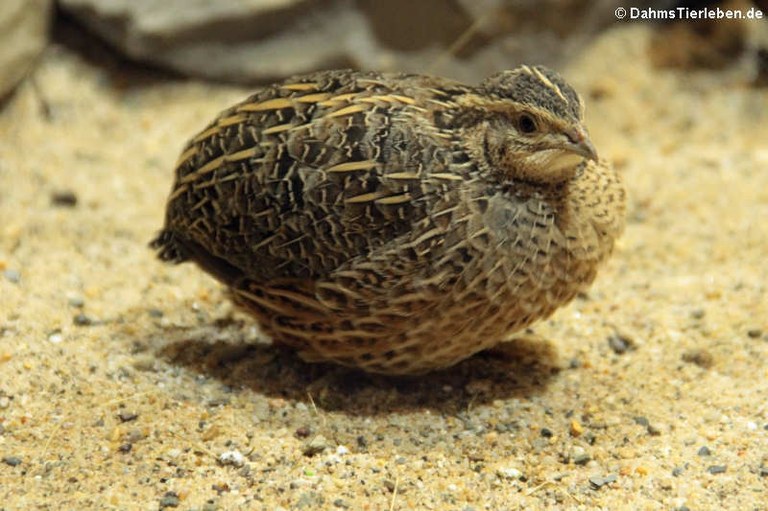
[369,219]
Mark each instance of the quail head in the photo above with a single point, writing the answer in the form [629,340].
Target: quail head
[397,223]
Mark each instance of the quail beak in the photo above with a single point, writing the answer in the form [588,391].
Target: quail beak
[579,143]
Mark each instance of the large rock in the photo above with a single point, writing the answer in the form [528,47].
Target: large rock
[23,35]
[260,40]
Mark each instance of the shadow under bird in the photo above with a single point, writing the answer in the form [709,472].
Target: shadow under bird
[397,223]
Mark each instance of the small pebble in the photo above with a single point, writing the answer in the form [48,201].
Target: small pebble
[699,357]
[717,469]
[763,471]
[315,446]
[698,313]
[76,301]
[653,430]
[642,421]
[678,471]
[310,500]
[170,499]
[172,454]
[12,276]
[144,363]
[547,433]
[581,459]
[508,473]
[620,343]
[219,401]
[64,198]
[598,482]
[125,448]
[576,428]
[754,333]
[127,416]
[220,488]
[55,337]
[579,456]
[302,432]
[155,313]
[82,320]
[340,503]
[13,461]
[704,451]
[135,435]
[234,458]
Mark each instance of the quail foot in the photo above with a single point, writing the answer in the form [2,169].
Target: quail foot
[397,223]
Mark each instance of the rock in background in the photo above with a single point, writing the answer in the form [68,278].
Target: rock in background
[23,35]
[252,41]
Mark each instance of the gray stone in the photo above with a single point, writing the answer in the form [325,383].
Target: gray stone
[23,35]
[252,41]
[242,41]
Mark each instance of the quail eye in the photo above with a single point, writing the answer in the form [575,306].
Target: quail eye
[526,124]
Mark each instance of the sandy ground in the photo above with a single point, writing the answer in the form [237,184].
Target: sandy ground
[128,384]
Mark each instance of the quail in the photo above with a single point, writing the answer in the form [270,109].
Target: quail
[397,223]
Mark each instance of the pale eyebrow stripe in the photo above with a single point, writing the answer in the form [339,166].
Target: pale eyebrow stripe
[546,81]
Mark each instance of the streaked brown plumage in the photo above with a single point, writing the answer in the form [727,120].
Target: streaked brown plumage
[397,223]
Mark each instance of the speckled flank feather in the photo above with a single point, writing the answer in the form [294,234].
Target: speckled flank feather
[349,212]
